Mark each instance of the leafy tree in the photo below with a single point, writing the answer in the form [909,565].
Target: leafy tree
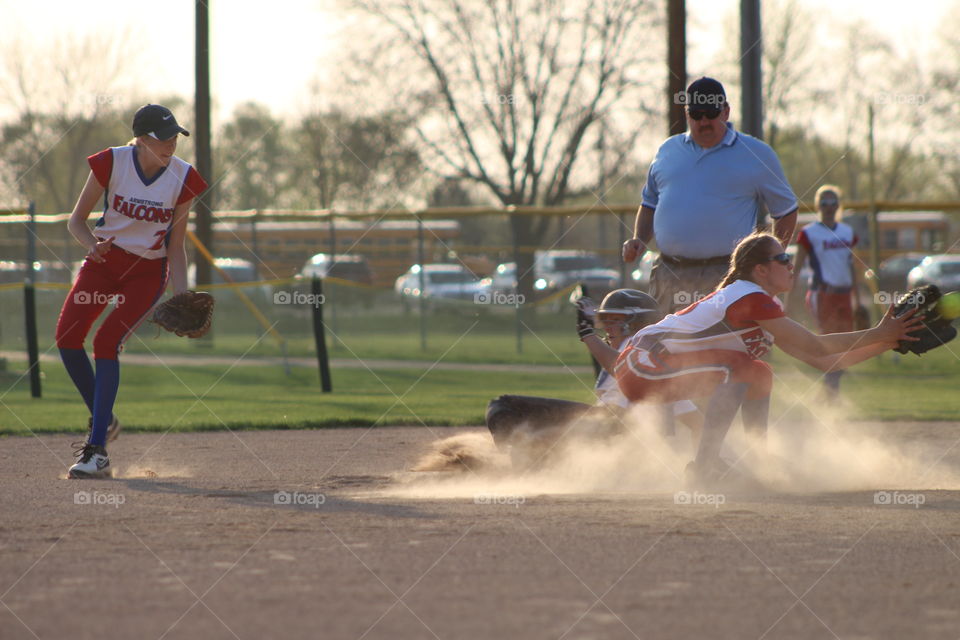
[357,161]
[254,155]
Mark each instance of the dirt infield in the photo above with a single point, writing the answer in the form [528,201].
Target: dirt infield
[327,534]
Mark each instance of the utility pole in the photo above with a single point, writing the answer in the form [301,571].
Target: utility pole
[676,65]
[201,132]
[751,78]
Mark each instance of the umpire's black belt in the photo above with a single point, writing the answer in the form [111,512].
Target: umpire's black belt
[694,262]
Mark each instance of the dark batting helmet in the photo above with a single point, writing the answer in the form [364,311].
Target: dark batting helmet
[639,307]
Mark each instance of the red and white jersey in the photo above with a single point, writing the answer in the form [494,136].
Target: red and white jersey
[725,319]
[138,212]
[829,252]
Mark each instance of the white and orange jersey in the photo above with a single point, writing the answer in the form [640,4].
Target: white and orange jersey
[608,393]
[726,319]
[829,253]
[138,212]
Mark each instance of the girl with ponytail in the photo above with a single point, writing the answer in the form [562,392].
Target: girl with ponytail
[712,349]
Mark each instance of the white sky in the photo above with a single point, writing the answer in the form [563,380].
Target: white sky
[269,51]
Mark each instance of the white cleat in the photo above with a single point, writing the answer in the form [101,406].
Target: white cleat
[93,463]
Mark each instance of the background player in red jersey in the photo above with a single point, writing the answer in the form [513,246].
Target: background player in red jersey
[147,192]
[828,245]
[713,348]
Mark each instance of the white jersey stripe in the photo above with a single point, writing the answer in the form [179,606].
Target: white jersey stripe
[704,325]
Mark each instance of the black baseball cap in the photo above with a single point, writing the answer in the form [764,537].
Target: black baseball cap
[157,120]
[705,93]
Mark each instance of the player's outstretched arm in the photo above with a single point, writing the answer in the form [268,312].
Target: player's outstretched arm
[604,354]
[839,361]
[795,339]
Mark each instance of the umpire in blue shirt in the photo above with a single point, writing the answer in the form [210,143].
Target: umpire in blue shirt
[703,195]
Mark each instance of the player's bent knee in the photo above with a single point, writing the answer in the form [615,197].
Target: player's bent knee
[759,376]
[106,347]
[69,341]
[69,336]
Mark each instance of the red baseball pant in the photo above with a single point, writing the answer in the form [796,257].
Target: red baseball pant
[832,311]
[669,377]
[132,282]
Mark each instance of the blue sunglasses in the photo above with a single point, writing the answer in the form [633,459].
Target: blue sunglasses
[782,258]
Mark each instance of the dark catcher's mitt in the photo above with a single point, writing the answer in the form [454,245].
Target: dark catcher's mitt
[936,329]
[186,314]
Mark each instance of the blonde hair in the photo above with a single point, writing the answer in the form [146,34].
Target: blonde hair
[751,251]
[830,188]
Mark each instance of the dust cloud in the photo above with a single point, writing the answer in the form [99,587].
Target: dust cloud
[813,450]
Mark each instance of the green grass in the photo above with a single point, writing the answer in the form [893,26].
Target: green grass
[467,333]
[156,399]
[889,387]
[251,397]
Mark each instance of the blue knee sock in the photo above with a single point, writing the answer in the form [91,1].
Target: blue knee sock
[78,367]
[107,383]
[721,410]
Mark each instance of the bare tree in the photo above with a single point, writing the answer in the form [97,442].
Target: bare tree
[821,75]
[67,97]
[792,58]
[789,58]
[508,93]
[945,86]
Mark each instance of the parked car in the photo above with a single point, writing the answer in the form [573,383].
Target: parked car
[561,268]
[442,283]
[237,269]
[503,279]
[557,269]
[343,266]
[942,270]
[893,271]
[43,271]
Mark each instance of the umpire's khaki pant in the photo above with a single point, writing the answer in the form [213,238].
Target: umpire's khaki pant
[676,287]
